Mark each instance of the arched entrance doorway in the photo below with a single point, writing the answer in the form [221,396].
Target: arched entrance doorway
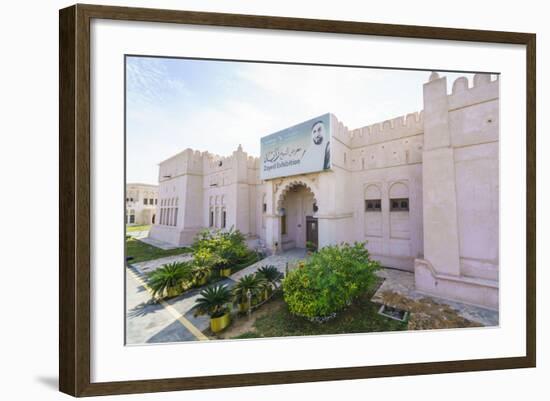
[298,224]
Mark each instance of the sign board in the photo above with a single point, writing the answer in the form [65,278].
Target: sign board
[300,149]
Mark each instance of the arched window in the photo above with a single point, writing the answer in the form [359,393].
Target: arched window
[373,199]
[399,197]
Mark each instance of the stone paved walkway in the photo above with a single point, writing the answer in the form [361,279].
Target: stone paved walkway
[138,234]
[398,287]
[148,322]
[150,265]
[278,260]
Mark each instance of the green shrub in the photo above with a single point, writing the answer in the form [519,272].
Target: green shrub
[222,248]
[329,280]
[169,279]
[205,257]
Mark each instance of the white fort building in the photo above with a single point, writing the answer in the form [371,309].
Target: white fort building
[422,189]
[141,203]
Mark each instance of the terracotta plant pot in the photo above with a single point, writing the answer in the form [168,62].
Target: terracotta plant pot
[217,324]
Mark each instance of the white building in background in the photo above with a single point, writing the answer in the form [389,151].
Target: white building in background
[422,189]
[141,203]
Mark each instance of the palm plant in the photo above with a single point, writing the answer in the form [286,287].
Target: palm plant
[271,275]
[213,301]
[251,284]
[169,279]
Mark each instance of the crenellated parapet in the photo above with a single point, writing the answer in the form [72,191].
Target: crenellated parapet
[215,163]
[388,130]
[483,88]
[253,162]
[340,132]
[187,161]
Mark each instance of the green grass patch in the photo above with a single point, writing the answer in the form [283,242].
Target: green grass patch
[360,317]
[130,229]
[142,252]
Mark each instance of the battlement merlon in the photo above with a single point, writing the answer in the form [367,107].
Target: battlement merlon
[195,162]
[484,89]
[388,130]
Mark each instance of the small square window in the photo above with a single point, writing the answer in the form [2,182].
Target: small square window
[399,205]
[373,205]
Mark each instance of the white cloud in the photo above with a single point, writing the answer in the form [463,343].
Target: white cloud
[255,100]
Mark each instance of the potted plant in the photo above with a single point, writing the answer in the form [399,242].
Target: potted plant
[225,271]
[249,285]
[168,281]
[272,277]
[213,302]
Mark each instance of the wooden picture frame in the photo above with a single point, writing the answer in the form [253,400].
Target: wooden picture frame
[74,199]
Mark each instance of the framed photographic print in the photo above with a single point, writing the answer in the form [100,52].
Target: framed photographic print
[250,200]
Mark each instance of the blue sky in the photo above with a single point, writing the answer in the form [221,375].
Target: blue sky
[174,104]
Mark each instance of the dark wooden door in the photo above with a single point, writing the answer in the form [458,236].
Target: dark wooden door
[312,230]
